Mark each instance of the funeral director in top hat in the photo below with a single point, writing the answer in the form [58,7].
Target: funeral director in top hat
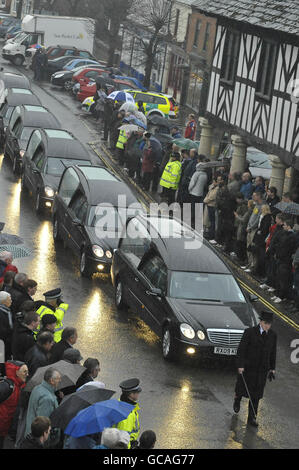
[256,358]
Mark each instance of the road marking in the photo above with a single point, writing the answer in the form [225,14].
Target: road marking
[270,306]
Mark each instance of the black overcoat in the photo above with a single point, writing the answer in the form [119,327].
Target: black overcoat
[257,355]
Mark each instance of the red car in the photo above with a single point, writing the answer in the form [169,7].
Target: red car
[84,75]
[59,51]
[89,89]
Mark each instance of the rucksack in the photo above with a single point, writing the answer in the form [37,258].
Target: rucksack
[6,388]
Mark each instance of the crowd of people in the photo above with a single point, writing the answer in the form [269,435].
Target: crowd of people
[33,335]
[240,213]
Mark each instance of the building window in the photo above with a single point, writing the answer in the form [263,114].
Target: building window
[230,57]
[197,31]
[176,26]
[207,36]
[266,70]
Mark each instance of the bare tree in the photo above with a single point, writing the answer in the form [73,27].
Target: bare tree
[155,18]
[115,12]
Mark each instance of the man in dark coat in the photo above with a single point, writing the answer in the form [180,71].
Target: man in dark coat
[23,335]
[68,339]
[39,354]
[18,292]
[40,431]
[256,359]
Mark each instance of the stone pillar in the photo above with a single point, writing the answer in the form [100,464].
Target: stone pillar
[206,137]
[278,173]
[288,180]
[238,163]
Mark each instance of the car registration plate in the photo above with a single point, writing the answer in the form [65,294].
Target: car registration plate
[226,351]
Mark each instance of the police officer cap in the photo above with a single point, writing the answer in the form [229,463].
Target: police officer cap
[48,319]
[53,294]
[266,316]
[130,385]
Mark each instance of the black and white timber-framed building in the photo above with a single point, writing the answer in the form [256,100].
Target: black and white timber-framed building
[254,82]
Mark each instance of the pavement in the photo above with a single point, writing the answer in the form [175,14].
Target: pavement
[188,404]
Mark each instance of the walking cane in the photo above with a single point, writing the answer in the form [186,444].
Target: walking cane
[249,395]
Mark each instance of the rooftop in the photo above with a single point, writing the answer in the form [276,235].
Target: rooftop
[280,15]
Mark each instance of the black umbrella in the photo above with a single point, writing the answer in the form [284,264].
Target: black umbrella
[159,121]
[164,138]
[105,81]
[72,404]
[70,373]
[291,208]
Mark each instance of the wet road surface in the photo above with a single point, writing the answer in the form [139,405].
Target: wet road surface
[189,405]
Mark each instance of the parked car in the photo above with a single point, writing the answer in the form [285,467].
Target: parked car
[24,119]
[13,31]
[15,80]
[177,283]
[75,63]
[55,65]
[13,98]
[85,196]
[6,24]
[133,81]
[49,152]
[259,163]
[87,73]
[63,78]
[88,89]
[58,51]
[156,103]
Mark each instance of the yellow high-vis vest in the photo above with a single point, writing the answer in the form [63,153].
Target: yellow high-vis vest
[171,175]
[59,314]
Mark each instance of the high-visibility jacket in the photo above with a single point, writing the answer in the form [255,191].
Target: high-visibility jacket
[122,139]
[59,314]
[131,425]
[171,175]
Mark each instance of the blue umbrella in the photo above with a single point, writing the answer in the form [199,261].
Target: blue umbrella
[121,96]
[97,417]
[139,123]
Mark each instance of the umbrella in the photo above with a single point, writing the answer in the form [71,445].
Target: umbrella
[97,417]
[70,373]
[36,46]
[128,107]
[129,128]
[164,138]
[16,251]
[187,144]
[8,239]
[140,116]
[121,96]
[104,81]
[159,121]
[75,402]
[291,208]
[139,123]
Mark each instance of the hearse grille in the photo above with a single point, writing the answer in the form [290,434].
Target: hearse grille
[225,337]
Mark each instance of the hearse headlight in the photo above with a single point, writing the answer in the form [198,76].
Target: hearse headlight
[187,330]
[98,251]
[201,335]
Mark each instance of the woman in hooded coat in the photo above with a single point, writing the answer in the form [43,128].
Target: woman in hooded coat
[10,390]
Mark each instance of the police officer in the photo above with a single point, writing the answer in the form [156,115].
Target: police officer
[55,306]
[130,392]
